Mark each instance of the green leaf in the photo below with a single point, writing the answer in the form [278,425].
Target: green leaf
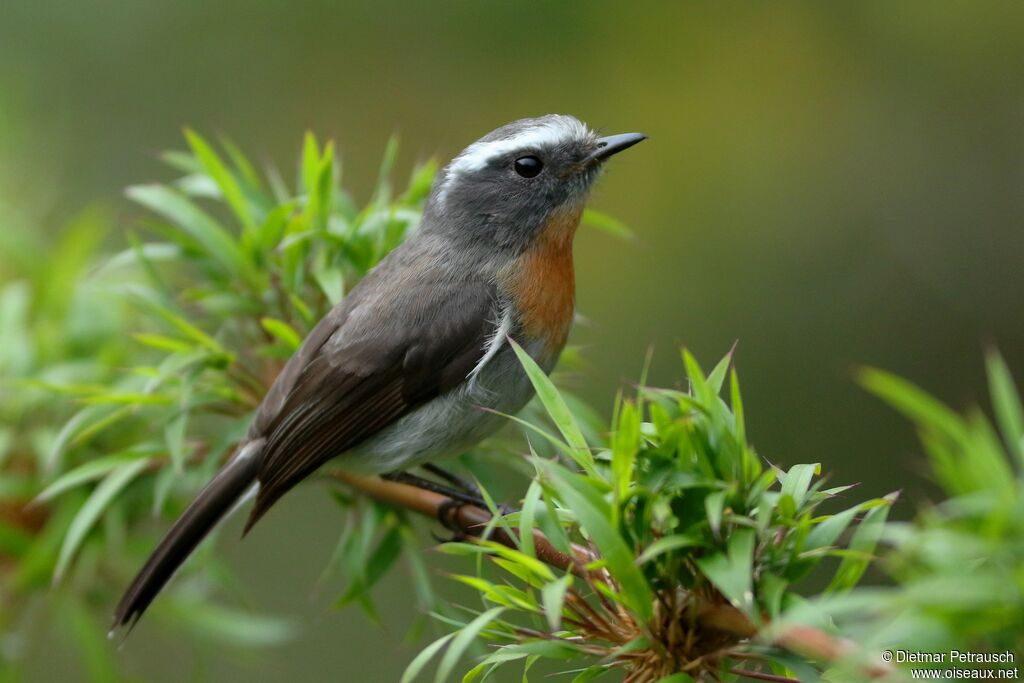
[320,192]
[283,332]
[487,590]
[164,343]
[863,543]
[331,282]
[553,599]
[184,326]
[151,251]
[497,517]
[552,649]
[420,183]
[212,622]
[526,519]
[274,226]
[90,640]
[538,568]
[590,674]
[376,566]
[625,444]
[224,178]
[698,382]
[90,471]
[475,672]
[82,422]
[798,480]
[595,516]
[717,377]
[242,163]
[174,435]
[736,401]
[547,436]
[914,403]
[462,641]
[382,192]
[772,593]
[130,398]
[557,410]
[714,505]
[606,223]
[666,544]
[310,162]
[92,509]
[827,532]
[1006,403]
[732,572]
[188,217]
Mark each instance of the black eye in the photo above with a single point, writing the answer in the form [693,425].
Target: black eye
[528,167]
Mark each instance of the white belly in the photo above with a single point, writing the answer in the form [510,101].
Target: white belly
[449,424]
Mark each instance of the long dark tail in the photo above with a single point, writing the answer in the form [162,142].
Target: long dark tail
[212,503]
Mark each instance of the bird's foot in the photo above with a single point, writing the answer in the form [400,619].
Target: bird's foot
[460,493]
[448,515]
[468,487]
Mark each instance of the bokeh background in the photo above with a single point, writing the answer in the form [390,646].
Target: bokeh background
[829,184]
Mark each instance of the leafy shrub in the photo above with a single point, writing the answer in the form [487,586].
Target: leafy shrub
[661,547]
[185,332]
[684,527]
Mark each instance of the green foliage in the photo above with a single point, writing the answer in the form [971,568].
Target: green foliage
[126,384]
[680,515]
[157,358]
[959,564]
[56,332]
[955,569]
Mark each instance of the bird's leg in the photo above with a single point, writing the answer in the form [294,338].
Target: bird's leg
[455,494]
[466,486]
[454,479]
[447,511]
[462,492]
[446,515]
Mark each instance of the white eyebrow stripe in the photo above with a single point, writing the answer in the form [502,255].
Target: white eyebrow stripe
[546,134]
[476,156]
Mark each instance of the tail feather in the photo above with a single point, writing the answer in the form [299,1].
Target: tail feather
[215,500]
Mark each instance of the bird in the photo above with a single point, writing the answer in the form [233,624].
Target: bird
[415,364]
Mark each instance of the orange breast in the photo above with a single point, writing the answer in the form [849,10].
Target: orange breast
[543,284]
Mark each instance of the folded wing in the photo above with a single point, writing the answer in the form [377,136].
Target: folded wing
[365,366]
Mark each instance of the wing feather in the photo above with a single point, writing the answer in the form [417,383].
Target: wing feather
[353,381]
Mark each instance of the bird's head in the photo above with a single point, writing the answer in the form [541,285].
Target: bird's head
[508,185]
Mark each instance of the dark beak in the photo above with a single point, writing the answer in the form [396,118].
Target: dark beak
[612,145]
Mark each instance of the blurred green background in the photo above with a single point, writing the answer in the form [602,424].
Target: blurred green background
[830,184]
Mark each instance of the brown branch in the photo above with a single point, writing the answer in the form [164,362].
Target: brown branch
[471,520]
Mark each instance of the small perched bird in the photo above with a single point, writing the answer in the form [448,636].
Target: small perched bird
[397,374]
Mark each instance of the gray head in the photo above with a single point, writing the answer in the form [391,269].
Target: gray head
[507,185]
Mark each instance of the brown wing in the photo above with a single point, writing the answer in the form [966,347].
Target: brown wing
[360,370]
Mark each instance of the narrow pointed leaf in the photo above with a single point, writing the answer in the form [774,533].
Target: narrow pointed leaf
[462,641]
[557,410]
[92,509]
[1007,404]
[863,543]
